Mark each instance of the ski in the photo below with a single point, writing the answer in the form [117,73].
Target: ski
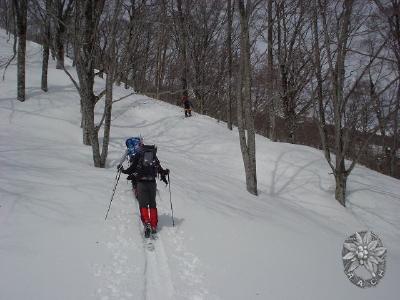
[148,243]
[149,237]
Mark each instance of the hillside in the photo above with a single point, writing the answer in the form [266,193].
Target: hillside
[226,244]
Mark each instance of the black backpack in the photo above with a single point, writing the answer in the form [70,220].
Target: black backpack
[147,164]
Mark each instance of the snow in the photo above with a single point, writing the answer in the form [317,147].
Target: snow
[226,244]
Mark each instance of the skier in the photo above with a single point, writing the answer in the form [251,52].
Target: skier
[187,105]
[144,169]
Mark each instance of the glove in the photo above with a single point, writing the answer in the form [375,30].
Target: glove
[164,172]
[163,179]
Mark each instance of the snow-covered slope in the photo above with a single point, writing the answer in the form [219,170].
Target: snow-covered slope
[226,244]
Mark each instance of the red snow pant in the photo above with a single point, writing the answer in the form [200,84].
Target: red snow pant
[146,195]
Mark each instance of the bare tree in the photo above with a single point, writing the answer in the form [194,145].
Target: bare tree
[62,11]
[337,77]
[136,46]
[43,17]
[111,70]
[162,45]
[391,16]
[245,113]
[182,36]
[321,123]
[6,15]
[88,14]
[293,61]
[347,104]
[204,32]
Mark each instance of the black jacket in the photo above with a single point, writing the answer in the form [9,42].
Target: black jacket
[133,171]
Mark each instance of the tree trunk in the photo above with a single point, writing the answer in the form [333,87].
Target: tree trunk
[21,13]
[107,120]
[183,50]
[143,80]
[280,19]
[163,63]
[90,134]
[87,116]
[318,74]
[338,102]
[89,13]
[271,131]
[112,65]
[395,28]
[45,66]
[46,47]
[393,150]
[85,71]
[59,33]
[59,50]
[341,182]
[244,103]
[161,41]
[158,67]
[229,50]
[292,123]
[94,138]
[21,66]
[336,69]
[7,17]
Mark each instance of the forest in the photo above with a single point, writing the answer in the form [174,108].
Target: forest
[322,73]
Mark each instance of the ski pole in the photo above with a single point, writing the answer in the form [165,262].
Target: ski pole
[170,201]
[113,192]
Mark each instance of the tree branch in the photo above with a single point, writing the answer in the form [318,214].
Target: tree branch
[99,96]
[12,58]
[73,81]
[362,74]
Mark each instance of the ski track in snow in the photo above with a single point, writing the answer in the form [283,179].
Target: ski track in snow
[132,259]
[189,273]
[118,275]
[186,262]
[157,273]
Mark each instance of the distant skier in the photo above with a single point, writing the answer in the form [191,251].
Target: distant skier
[187,105]
[143,171]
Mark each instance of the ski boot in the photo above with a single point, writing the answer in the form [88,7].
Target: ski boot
[147,230]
